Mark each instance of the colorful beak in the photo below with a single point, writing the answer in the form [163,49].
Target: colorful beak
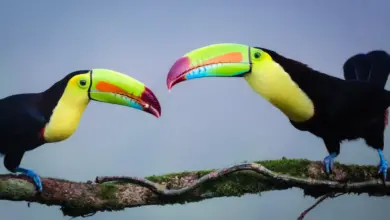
[217,60]
[116,88]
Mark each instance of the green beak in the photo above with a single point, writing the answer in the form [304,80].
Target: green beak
[117,88]
[217,60]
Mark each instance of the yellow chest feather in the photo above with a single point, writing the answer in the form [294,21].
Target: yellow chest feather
[275,85]
[65,118]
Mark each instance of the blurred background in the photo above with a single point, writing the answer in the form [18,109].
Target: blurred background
[208,124]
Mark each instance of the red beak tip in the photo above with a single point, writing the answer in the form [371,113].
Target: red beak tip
[154,105]
[157,113]
[175,74]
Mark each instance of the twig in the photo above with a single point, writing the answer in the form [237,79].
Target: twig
[321,199]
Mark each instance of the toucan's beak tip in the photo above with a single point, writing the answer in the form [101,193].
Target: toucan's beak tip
[152,105]
[177,72]
[171,84]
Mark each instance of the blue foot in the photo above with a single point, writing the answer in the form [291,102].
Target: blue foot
[31,174]
[328,162]
[383,165]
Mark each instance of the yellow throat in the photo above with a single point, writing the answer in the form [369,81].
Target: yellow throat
[67,114]
[270,80]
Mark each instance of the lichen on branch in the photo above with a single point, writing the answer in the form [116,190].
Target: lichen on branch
[119,192]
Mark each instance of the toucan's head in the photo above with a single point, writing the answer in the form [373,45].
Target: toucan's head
[217,60]
[268,73]
[107,86]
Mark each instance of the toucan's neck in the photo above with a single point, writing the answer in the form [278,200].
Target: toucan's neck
[299,72]
[52,95]
[293,67]
[272,82]
[63,106]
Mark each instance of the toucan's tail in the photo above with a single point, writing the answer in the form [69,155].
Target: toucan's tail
[372,67]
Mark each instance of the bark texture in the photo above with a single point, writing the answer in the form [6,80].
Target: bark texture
[118,193]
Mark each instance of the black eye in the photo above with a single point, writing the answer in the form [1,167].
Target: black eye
[257,55]
[83,82]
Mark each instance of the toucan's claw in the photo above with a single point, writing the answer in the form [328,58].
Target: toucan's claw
[31,174]
[328,164]
[383,165]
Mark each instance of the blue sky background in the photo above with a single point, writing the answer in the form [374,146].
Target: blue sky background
[205,124]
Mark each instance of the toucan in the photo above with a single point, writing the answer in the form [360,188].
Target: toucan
[30,120]
[328,107]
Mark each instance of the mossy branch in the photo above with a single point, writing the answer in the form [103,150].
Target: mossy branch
[117,193]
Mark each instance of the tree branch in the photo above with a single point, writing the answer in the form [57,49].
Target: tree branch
[117,193]
[321,199]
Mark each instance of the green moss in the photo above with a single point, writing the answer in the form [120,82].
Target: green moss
[358,172]
[3,186]
[108,191]
[237,184]
[292,167]
[159,179]
[17,189]
[243,182]
[168,177]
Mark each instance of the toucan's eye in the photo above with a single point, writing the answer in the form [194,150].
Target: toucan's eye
[82,82]
[257,55]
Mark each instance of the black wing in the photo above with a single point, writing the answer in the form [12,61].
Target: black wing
[20,123]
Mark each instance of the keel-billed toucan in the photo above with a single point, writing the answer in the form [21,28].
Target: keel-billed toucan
[330,108]
[30,120]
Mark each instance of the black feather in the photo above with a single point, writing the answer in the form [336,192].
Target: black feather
[22,118]
[344,109]
[373,67]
